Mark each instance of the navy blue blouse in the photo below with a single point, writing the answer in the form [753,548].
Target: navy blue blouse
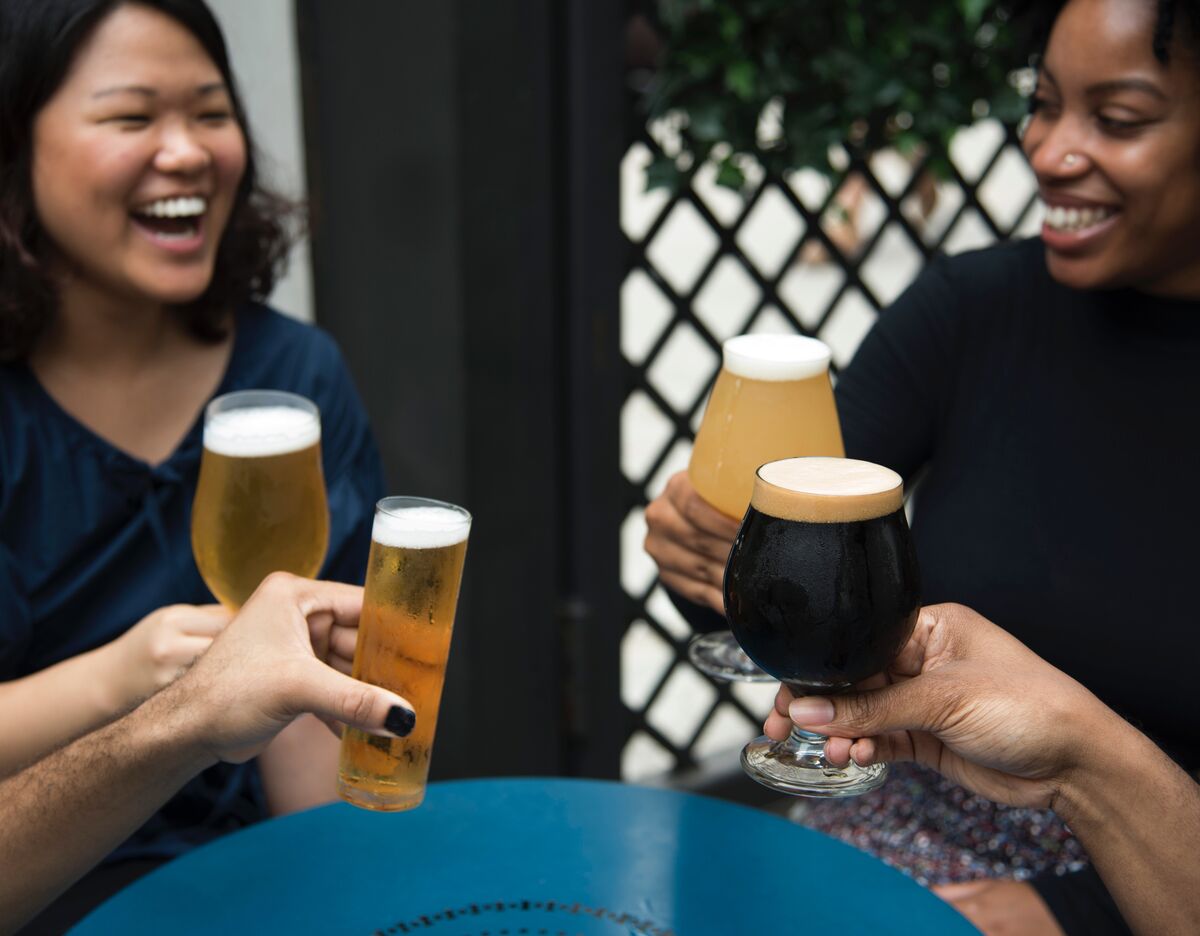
[93,539]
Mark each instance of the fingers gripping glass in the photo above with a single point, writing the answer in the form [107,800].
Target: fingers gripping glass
[822,591]
[773,399]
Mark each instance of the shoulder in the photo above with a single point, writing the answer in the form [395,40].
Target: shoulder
[993,274]
[273,350]
[274,338]
[1005,268]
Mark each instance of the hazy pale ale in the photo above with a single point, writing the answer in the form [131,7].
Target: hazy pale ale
[773,399]
[413,574]
[260,503]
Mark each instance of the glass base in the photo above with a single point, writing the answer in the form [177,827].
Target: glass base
[719,656]
[379,801]
[798,767]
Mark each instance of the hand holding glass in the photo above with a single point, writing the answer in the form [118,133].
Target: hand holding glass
[822,591]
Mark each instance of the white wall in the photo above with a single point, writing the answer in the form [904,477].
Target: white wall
[261,35]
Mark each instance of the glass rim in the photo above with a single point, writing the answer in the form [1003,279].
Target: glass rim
[394,504]
[253,397]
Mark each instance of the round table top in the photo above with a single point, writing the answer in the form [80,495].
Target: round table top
[550,857]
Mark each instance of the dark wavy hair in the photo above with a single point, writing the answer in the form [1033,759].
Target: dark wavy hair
[38,42]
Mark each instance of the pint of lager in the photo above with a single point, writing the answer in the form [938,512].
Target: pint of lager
[773,399]
[413,574]
[260,503]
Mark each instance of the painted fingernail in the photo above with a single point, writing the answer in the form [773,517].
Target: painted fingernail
[810,710]
[400,721]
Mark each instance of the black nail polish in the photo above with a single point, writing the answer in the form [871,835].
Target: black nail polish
[400,721]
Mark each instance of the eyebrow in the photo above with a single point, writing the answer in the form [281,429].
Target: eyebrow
[1118,84]
[201,91]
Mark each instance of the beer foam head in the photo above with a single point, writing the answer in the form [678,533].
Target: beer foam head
[256,431]
[826,490]
[775,357]
[423,527]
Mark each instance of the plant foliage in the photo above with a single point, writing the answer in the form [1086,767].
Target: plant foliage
[864,74]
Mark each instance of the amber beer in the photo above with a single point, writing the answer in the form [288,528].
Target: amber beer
[260,502]
[773,399]
[413,574]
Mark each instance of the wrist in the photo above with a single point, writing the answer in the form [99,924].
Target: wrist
[1110,767]
[111,695]
[169,723]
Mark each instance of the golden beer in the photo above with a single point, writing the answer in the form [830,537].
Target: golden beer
[260,502]
[773,399]
[413,574]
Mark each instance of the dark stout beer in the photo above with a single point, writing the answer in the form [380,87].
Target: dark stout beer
[822,586]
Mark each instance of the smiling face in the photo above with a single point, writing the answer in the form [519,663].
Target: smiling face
[1115,143]
[137,158]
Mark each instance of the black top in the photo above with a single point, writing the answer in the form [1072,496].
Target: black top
[1049,438]
[1051,433]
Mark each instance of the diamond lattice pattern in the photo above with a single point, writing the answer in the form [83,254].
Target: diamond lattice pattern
[802,253]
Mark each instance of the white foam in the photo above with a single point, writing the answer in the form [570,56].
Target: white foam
[420,527]
[776,357]
[830,477]
[258,431]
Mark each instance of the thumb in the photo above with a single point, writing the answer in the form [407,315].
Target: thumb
[917,704]
[334,696]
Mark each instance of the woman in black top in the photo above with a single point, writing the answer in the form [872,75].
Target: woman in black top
[1043,397]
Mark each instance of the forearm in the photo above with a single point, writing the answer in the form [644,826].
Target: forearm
[45,710]
[1138,815]
[65,813]
[299,767]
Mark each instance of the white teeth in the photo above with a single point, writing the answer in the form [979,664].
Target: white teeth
[1059,218]
[174,208]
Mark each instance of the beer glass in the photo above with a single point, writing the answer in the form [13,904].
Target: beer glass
[260,502]
[822,591]
[773,399]
[413,573]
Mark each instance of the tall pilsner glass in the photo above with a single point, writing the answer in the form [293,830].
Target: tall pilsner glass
[822,590]
[417,551]
[773,399]
[260,503]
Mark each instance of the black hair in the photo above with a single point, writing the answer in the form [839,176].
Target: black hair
[38,42]
[1041,14]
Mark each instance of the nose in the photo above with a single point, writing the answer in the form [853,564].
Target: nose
[181,152]
[1057,150]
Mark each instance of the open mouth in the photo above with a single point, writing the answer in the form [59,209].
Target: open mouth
[172,219]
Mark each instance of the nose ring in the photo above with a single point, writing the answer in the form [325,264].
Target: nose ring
[1070,159]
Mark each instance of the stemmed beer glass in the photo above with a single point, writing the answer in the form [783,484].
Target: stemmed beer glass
[773,399]
[260,502]
[822,591]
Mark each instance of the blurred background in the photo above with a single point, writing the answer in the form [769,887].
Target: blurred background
[533,223]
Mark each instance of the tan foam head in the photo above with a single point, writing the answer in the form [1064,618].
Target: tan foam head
[826,490]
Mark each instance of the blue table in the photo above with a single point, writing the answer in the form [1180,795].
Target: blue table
[536,857]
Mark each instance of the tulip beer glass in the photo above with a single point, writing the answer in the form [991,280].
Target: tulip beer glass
[260,502]
[822,591]
[773,399]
